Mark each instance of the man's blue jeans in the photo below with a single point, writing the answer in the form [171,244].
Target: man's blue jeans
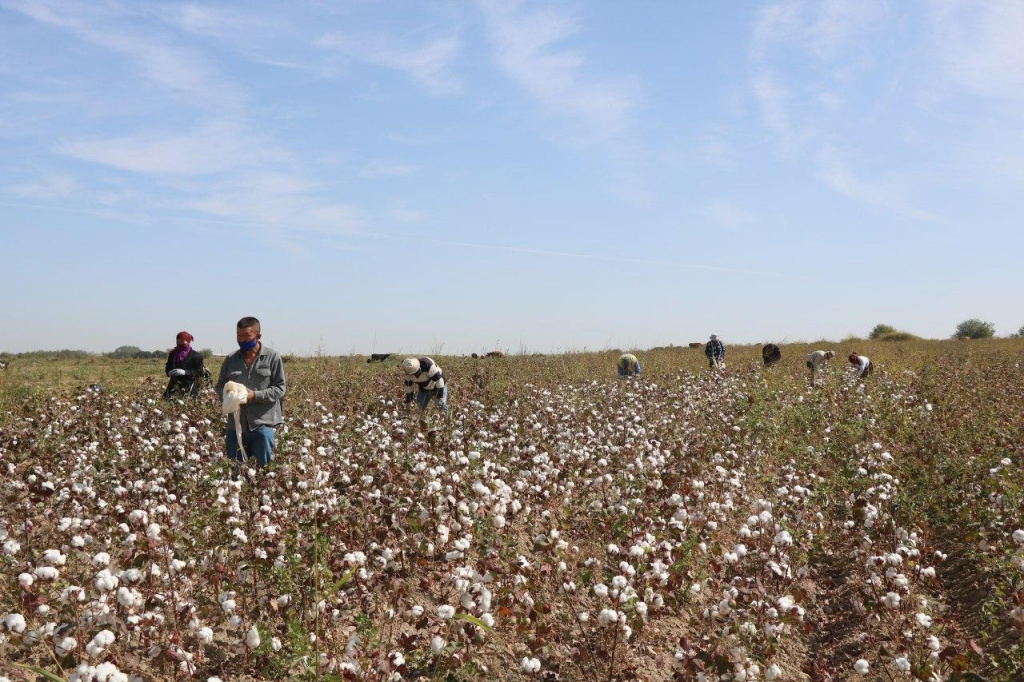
[259,444]
[423,399]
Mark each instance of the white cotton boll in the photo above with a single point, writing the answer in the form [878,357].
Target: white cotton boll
[892,600]
[786,602]
[924,620]
[105,581]
[488,620]
[583,616]
[641,608]
[15,622]
[774,672]
[12,547]
[205,635]
[437,644]
[928,572]
[153,531]
[607,616]
[529,665]
[64,646]
[861,666]
[601,590]
[933,643]
[252,638]
[235,621]
[416,611]
[228,605]
[783,539]
[131,575]
[101,641]
[108,672]
[26,580]
[903,664]
[619,582]
[612,549]
[47,573]
[1018,536]
[101,558]
[445,612]
[275,643]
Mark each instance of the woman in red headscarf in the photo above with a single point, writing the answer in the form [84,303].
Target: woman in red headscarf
[184,367]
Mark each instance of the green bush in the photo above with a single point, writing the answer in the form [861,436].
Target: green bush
[975,329]
[881,330]
[897,336]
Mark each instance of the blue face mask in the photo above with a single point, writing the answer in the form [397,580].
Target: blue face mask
[247,345]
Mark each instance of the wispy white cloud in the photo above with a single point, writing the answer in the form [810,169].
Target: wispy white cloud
[383,169]
[728,216]
[888,193]
[406,215]
[773,102]
[979,44]
[213,148]
[429,65]
[527,44]
[47,186]
[182,72]
[825,36]
[582,255]
[820,27]
[284,202]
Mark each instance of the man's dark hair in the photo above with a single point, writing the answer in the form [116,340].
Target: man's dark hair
[249,323]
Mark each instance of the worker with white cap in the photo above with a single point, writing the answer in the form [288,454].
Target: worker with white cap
[424,380]
[715,350]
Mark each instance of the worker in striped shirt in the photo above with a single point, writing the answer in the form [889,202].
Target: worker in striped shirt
[628,365]
[424,380]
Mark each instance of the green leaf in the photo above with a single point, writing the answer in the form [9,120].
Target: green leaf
[474,620]
[342,581]
[39,671]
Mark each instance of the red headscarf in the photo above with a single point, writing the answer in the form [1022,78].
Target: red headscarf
[180,351]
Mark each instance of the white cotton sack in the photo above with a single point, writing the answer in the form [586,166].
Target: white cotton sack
[235,395]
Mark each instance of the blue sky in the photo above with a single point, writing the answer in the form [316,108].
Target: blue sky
[457,176]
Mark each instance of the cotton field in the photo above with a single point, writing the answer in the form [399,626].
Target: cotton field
[561,524]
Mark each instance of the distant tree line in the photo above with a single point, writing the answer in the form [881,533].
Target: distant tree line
[120,353]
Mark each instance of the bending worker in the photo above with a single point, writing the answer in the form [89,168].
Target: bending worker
[715,350]
[862,364]
[424,380]
[628,365]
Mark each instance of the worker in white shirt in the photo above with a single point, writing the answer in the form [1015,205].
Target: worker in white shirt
[862,363]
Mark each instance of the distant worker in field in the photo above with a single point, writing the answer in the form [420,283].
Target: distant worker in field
[817,359]
[184,367]
[261,370]
[770,354]
[628,365]
[424,380]
[715,351]
[862,364]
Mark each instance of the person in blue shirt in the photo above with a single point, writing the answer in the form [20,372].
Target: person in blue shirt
[715,351]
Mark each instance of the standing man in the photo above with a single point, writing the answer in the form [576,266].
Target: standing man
[424,380]
[715,350]
[628,365]
[261,370]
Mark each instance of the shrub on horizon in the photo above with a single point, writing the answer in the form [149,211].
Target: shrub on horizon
[975,329]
